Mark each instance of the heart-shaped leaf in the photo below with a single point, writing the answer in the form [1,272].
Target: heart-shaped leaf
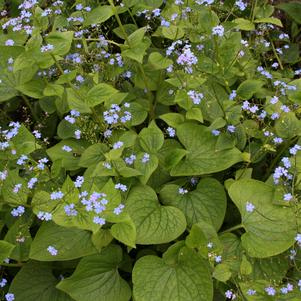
[206,203]
[270,229]
[155,224]
[187,277]
[202,156]
[96,278]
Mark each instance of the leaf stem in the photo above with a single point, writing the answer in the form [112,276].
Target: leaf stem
[232,229]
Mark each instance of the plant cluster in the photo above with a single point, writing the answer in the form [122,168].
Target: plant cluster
[150,150]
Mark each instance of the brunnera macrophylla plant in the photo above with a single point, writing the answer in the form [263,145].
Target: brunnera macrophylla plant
[150,150]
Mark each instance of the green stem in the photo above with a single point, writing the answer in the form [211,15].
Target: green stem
[253,10]
[276,55]
[119,21]
[232,229]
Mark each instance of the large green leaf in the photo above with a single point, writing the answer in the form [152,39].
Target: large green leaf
[35,281]
[184,277]
[202,156]
[96,278]
[70,243]
[155,224]
[270,229]
[206,203]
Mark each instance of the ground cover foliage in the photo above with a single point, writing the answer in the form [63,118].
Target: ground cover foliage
[149,150]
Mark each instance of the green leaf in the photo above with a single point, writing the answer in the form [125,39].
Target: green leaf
[244,24]
[77,101]
[96,278]
[66,129]
[171,153]
[195,114]
[5,249]
[188,278]
[270,229]
[99,94]
[248,88]
[35,281]
[245,266]
[124,230]
[70,243]
[9,196]
[33,88]
[19,235]
[93,154]
[146,169]
[61,42]
[99,15]
[222,272]
[293,9]
[200,235]
[206,203]
[151,139]
[288,126]
[70,160]
[202,156]
[136,45]
[173,32]
[25,142]
[173,119]
[155,224]
[270,20]
[158,61]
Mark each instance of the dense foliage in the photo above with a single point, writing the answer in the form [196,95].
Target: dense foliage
[149,150]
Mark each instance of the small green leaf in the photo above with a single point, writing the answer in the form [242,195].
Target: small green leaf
[61,42]
[222,272]
[158,61]
[270,20]
[248,88]
[151,139]
[245,266]
[244,24]
[99,94]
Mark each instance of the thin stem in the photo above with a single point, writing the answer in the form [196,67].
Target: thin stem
[232,229]
[276,55]
[33,113]
[253,10]
[119,21]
